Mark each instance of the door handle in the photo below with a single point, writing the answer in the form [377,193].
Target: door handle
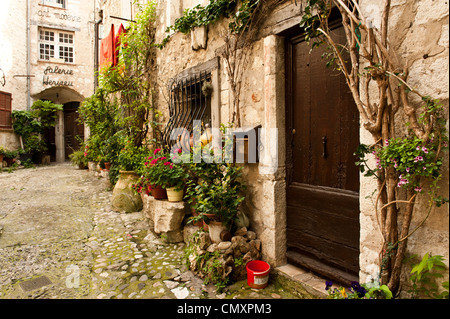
[324,144]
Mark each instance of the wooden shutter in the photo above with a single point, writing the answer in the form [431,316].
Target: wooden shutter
[5,110]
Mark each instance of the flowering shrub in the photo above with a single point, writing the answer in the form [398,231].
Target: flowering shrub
[160,170]
[358,291]
[412,159]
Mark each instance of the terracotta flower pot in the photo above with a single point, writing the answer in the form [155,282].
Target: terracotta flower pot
[194,213]
[107,165]
[205,224]
[159,193]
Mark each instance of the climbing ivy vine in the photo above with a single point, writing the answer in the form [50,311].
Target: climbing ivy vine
[216,9]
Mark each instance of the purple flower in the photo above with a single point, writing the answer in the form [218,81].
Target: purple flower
[328,284]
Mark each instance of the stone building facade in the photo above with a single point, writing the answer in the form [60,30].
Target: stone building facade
[421,31]
[48,54]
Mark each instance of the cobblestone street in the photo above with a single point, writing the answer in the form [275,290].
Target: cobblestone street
[60,239]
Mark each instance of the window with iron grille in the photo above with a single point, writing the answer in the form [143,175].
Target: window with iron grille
[56,44]
[5,110]
[190,100]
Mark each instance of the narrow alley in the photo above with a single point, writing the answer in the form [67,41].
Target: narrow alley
[59,239]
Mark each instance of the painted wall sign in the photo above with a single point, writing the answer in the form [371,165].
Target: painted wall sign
[57,70]
[46,80]
[59,16]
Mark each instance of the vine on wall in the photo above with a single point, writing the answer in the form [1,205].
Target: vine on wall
[410,161]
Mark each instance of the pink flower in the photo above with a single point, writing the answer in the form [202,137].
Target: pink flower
[386,142]
[156,151]
[146,163]
[425,150]
[407,169]
[418,158]
[154,161]
[167,163]
[150,157]
[163,158]
[418,189]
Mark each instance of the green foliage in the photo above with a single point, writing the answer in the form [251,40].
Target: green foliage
[215,10]
[45,111]
[29,125]
[25,124]
[3,150]
[130,157]
[216,188]
[77,158]
[423,277]
[371,290]
[160,170]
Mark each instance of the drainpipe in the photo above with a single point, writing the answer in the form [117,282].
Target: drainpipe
[28,56]
[96,49]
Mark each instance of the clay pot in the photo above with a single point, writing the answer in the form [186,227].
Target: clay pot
[107,165]
[174,195]
[215,229]
[124,197]
[194,213]
[158,192]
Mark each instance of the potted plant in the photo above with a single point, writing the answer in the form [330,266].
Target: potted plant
[216,193]
[129,160]
[163,174]
[79,159]
[3,151]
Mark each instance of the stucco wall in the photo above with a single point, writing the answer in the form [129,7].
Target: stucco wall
[56,81]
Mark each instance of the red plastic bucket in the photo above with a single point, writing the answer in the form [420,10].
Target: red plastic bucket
[257,273]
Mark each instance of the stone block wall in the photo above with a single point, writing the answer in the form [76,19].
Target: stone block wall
[419,33]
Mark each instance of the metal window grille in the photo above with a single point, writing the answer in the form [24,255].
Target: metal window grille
[189,101]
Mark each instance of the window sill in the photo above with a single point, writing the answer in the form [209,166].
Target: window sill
[51,6]
[54,62]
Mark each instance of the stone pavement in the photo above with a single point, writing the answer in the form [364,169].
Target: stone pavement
[59,239]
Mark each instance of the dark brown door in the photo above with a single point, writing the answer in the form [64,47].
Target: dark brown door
[322,124]
[72,128]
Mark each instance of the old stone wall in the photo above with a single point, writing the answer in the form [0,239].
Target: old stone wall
[418,32]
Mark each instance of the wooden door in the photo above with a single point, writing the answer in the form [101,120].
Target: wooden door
[72,128]
[322,124]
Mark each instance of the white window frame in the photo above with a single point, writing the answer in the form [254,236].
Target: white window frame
[56,45]
[55,3]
